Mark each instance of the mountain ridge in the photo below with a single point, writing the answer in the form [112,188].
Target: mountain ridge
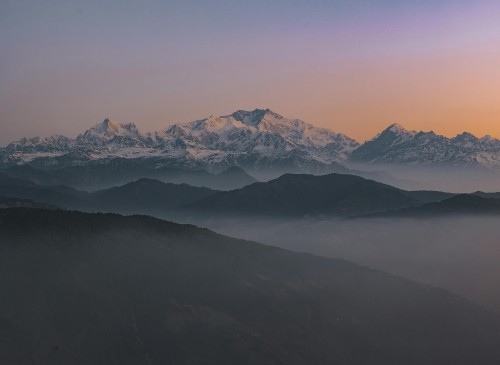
[306,195]
[262,142]
[475,204]
[245,138]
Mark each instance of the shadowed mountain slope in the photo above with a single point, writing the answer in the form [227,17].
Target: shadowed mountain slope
[148,196]
[119,171]
[289,195]
[61,196]
[106,289]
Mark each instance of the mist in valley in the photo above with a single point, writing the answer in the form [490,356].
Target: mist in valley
[441,178]
[459,253]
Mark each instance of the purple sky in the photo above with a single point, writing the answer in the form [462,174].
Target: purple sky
[352,66]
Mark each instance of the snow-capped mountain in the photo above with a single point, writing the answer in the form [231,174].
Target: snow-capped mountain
[111,131]
[396,145]
[258,139]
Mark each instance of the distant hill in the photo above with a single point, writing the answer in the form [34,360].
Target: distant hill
[119,171]
[290,195]
[105,289]
[428,196]
[298,195]
[482,194]
[461,204]
[148,196]
[61,196]
[233,178]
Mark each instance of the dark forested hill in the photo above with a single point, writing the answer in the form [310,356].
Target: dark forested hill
[82,288]
[298,195]
[148,196]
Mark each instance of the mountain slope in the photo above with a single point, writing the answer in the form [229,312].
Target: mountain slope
[396,145]
[297,195]
[427,196]
[105,289]
[148,196]
[487,195]
[233,178]
[101,175]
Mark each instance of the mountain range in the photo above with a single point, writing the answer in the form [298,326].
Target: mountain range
[85,288]
[396,145]
[291,195]
[261,142]
[256,140]
[306,195]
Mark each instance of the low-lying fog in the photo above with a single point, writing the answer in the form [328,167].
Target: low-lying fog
[441,178]
[460,254]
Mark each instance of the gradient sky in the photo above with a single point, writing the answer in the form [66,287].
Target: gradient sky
[352,66]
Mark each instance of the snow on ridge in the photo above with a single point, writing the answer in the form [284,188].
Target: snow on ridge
[109,129]
[397,145]
[251,136]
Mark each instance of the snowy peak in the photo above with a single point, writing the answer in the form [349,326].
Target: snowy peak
[393,134]
[213,124]
[397,129]
[255,117]
[109,129]
[465,137]
[261,129]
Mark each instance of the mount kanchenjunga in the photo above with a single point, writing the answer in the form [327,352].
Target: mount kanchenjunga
[258,139]
[110,132]
[396,145]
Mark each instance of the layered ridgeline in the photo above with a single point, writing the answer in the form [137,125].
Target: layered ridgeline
[477,205]
[145,196]
[291,195]
[306,195]
[101,174]
[105,289]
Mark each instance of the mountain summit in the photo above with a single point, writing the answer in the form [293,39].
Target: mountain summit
[108,130]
